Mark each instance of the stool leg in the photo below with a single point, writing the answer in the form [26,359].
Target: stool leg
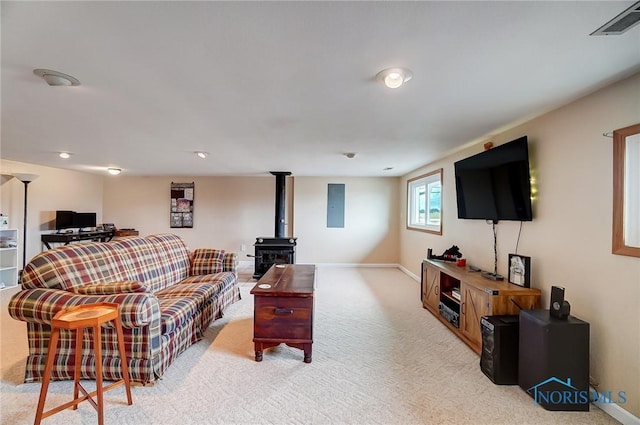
[97,341]
[51,353]
[123,360]
[77,367]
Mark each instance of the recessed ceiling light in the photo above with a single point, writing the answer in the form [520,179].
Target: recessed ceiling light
[55,78]
[394,77]
[64,155]
[202,155]
[114,171]
[350,155]
[387,169]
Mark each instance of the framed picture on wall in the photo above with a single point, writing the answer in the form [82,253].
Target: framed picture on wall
[520,270]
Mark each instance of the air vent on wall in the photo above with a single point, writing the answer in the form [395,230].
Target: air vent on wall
[621,23]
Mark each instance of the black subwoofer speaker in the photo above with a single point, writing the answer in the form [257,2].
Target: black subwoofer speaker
[499,357]
[554,360]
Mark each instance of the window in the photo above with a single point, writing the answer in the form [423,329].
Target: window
[626,191]
[424,203]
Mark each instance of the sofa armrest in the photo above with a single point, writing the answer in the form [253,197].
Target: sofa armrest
[230,262]
[210,261]
[39,305]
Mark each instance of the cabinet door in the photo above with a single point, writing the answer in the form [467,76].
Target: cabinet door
[430,287]
[475,304]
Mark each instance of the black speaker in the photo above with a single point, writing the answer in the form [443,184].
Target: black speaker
[554,360]
[558,306]
[499,357]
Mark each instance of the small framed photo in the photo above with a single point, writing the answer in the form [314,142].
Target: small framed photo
[520,270]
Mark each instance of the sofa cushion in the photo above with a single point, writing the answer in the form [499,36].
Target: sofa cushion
[206,261]
[174,311]
[125,287]
[202,291]
[143,261]
[220,281]
[73,265]
[174,256]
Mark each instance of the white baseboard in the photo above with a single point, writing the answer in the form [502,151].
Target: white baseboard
[383,265]
[408,273]
[354,265]
[616,412]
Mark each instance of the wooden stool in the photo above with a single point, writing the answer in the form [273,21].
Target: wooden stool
[77,318]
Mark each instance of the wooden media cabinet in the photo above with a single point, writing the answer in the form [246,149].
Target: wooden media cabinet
[478,297]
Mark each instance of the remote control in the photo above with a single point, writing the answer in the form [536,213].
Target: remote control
[474,269]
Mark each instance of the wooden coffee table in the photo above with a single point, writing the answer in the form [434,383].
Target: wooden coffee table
[283,308]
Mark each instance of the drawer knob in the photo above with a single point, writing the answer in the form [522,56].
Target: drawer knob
[284,311]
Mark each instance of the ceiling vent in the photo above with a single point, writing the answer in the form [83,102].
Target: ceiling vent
[621,23]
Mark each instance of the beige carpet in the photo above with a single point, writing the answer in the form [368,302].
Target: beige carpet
[378,358]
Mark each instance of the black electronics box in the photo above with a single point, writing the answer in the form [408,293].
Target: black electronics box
[499,357]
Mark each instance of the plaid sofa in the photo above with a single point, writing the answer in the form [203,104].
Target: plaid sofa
[167,295]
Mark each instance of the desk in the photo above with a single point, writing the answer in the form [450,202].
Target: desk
[126,232]
[66,238]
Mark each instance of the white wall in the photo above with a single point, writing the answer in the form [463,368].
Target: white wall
[228,211]
[569,239]
[54,189]
[370,233]
[232,211]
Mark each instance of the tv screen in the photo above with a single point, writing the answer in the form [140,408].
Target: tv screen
[495,184]
[85,220]
[65,220]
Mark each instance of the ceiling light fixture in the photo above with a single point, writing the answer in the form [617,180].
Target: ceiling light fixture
[350,155]
[394,77]
[55,78]
[64,155]
[114,171]
[202,155]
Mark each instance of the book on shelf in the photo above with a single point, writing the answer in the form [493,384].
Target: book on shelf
[455,293]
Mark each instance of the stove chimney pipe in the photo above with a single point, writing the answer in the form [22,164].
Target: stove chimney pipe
[280,201]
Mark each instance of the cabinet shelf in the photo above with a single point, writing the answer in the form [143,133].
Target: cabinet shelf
[449,296]
[8,258]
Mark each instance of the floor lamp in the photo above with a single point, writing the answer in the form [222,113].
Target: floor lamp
[26,179]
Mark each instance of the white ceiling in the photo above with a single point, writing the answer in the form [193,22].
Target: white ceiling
[290,86]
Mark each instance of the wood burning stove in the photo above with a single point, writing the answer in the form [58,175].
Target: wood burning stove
[270,251]
[279,249]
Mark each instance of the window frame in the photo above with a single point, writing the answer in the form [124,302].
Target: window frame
[624,190]
[413,183]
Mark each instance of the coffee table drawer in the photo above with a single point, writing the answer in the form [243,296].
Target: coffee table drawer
[283,317]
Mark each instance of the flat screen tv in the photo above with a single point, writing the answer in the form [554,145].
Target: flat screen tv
[83,220]
[65,220]
[495,184]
